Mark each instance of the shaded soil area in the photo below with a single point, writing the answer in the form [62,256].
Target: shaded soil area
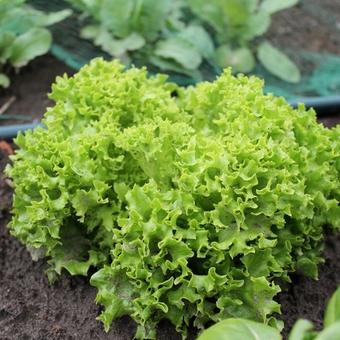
[27,94]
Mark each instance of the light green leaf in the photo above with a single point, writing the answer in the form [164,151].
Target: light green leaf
[272,6]
[200,38]
[35,42]
[6,40]
[333,309]
[257,25]
[330,333]
[278,63]
[4,80]
[53,18]
[300,330]
[115,47]
[240,329]
[180,51]
[241,60]
[171,65]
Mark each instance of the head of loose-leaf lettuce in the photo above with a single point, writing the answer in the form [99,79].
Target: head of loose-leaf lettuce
[188,206]
[23,35]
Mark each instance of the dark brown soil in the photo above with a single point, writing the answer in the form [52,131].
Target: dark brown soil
[30,87]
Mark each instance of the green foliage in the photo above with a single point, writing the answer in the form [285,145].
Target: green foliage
[240,329]
[302,330]
[23,35]
[184,35]
[187,203]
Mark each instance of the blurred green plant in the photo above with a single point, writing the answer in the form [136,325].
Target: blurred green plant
[23,35]
[183,35]
[242,329]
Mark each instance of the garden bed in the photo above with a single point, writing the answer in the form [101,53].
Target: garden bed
[31,308]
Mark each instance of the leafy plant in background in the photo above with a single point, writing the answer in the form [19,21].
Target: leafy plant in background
[184,36]
[242,329]
[189,203]
[23,35]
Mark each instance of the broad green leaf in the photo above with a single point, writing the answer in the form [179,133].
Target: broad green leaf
[241,60]
[171,65]
[200,38]
[257,25]
[6,40]
[115,47]
[4,80]
[278,63]
[272,6]
[179,50]
[333,309]
[307,267]
[29,45]
[300,330]
[53,18]
[240,329]
[330,333]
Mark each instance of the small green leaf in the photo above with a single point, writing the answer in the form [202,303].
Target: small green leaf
[6,40]
[257,25]
[181,51]
[53,18]
[4,80]
[171,65]
[307,267]
[272,6]
[278,63]
[29,45]
[115,47]
[330,333]
[200,38]
[241,60]
[300,330]
[240,329]
[333,309]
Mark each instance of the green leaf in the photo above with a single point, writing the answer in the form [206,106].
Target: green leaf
[307,267]
[49,19]
[278,63]
[240,329]
[272,6]
[180,51]
[300,330]
[33,43]
[171,65]
[4,80]
[199,38]
[332,314]
[115,47]
[257,25]
[241,60]
[6,41]
[330,333]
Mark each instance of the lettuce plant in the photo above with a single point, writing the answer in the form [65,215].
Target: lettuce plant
[186,36]
[189,204]
[302,330]
[23,35]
